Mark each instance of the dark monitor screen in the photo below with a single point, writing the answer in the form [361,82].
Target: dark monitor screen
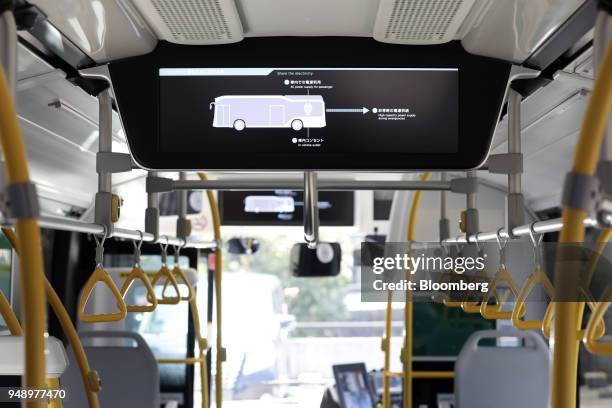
[313,110]
[284,207]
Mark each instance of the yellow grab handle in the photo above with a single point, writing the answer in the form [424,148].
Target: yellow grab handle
[164,272]
[593,328]
[138,273]
[537,278]
[100,275]
[445,298]
[501,276]
[474,306]
[451,303]
[549,317]
[471,307]
[178,272]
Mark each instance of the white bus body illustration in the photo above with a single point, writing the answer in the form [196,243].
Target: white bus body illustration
[269,111]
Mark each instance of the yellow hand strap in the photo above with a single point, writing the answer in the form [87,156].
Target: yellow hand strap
[474,306]
[100,275]
[600,328]
[485,309]
[138,273]
[164,272]
[178,273]
[444,298]
[536,278]
[593,330]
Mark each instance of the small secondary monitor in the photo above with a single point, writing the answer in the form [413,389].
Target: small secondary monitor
[284,207]
[353,386]
[169,202]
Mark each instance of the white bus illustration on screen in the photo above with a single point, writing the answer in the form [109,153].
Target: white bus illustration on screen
[269,111]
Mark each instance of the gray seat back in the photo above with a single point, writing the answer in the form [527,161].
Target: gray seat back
[129,375]
[502,377]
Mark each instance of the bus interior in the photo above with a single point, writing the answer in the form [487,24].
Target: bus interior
[307,203]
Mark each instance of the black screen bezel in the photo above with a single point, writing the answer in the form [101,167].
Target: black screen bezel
[482,86]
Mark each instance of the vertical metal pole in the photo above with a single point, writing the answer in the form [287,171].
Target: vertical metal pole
[8,61]
[8,48]
[311,209]
[103,201]
[444,224]
[182,200]
[152,211]
[514,200]
[183,227]
[600,42]
[471,212]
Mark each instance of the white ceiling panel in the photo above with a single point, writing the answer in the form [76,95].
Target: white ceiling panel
[29,65]
[513,29]
[103,29]
[263,18]
[113,29]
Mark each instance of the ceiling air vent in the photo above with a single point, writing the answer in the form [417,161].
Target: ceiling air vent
[193,21]
[420,21]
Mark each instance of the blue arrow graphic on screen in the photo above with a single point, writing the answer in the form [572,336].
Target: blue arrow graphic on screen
[363,110]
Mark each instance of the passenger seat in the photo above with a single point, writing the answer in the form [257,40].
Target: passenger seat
[503,377]
[128,372]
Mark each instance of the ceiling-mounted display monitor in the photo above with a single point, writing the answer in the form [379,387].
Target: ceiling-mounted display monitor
[284,207]
[309,103]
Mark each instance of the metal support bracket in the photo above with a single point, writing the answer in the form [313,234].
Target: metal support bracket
[582,192]
[465,185]
[155,184]
[444,228]
[109,162]
[604,207]
[506,163]
[22,200]
[470,216]
[311,209]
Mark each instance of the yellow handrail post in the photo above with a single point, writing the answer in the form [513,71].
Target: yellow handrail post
[409,307]
[202,350]
[31,266]
[386,348]
[568,315]
[91,382]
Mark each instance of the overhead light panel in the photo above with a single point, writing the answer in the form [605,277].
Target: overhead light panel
[420,21]
[193,21]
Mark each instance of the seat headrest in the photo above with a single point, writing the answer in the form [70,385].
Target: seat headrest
[12,356]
